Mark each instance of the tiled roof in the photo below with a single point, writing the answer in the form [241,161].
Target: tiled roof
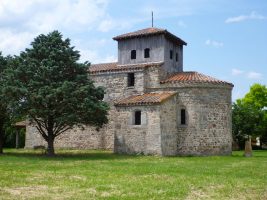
[148,32]
[110,67]
[193,77]
[145,99]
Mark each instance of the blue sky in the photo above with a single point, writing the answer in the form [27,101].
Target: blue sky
[226,39]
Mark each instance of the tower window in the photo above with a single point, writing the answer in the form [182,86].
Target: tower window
[171,54]
[137,117]
[176,57]
[147,53]
[130,81]
[133,54]
[183,117]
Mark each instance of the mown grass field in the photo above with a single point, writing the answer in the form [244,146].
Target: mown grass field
[74,174]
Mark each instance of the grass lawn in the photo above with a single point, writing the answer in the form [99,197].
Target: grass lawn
[25,174]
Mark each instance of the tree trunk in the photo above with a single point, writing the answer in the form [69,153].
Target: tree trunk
[17,139]
[248,148]
[51,137]
[1,140]
[50,146]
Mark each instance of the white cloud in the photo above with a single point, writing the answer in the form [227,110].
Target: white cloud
[47,15]
[12,42]
[254,75]
[213,43]
[109,24]
[236,72]
[21,21]
[94,57]
[252,15]
[70,15]
[249,75]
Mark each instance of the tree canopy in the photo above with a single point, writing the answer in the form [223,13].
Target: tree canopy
[47,83]
[249,114]
[257,96]
[3,106]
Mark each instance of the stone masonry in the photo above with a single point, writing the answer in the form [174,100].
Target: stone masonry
[155,107]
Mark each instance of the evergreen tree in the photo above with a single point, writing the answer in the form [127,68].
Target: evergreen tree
[47,83]
[3,106]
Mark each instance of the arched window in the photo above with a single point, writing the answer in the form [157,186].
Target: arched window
[147,53]
[183,116]
[133,54]
[137,117]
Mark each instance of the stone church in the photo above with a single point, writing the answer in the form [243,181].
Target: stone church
[156,108]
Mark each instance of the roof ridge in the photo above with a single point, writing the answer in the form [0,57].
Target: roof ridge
[150,31]
[193,77]
[104,63]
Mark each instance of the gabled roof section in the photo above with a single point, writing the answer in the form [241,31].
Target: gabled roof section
[145,99]
[149,32]
[193,77]
[114,67]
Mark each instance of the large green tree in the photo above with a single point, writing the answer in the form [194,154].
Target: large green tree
[257,96]
[249,114]
[47,83]
[3,106]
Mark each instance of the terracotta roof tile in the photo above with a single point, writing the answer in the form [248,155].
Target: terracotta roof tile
[149,32]
[110,67]
[145,99]
[193,77]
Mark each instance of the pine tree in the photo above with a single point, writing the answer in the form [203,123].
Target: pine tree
[47,83]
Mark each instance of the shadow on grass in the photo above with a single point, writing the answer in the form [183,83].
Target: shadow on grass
[255,153]
[105,155]
[69,155]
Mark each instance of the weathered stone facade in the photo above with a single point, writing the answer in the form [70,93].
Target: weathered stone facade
[155,107]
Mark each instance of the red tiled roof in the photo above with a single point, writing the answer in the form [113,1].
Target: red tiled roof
[110,67]
[148,32]
[145,99]
[193,77]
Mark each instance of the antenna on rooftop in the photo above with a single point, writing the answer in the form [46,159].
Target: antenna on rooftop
[152,19]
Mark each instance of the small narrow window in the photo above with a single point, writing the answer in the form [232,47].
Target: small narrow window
[171,54]
[183,117]
[133,54]
[130,80]
[176,57]
[147,53]
[137,117]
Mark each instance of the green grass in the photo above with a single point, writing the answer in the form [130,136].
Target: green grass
[26,174]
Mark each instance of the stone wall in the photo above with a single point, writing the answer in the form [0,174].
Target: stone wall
[168,126]
[115,85]
[208,130]
[138,139]
[76,138]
